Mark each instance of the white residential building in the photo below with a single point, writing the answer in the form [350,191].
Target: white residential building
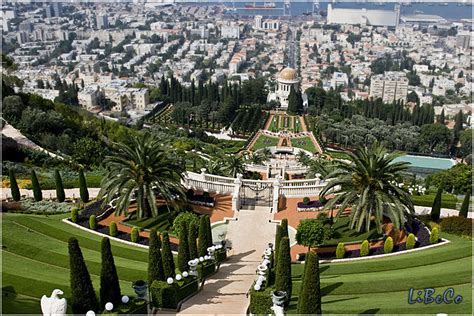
[391,86]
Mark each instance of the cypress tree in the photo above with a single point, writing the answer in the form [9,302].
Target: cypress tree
[284,227]
[15,191]
[109,281]
[36,187]
[278,237]
[59,186]
[208,232]
[465,205]
[168,262]
[436,209]
[183,248]
[283,268]
[192,241]
[309,300]
[83,298]
[202,237]
[155,264]
[84,193]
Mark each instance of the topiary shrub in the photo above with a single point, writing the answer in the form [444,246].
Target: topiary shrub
[183,248]
[306,200]
[134,235]
[364,248]
[261,302]
[283,268]
[164,295]
[202,237]
[434,236]
[188,218]
[74,214]
[167,257]
[340,250]
[15,191]
[155,264]
[410,241]
[205,269]
[60,195]
[109,281]
[457,225]
[278,237]
[92,222]
[388,245]
[83,192]
[309,299]
[465,205]
[323,200]
[113,229]
[436,208]
[37,193]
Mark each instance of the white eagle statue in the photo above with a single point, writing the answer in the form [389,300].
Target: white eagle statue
[54,305]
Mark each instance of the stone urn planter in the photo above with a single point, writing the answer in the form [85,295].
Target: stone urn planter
[261,269]
[211,251]
[193,267]
[278,298]
[140,288]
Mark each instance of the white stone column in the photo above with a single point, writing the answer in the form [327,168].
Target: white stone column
[236,193]
[276,194]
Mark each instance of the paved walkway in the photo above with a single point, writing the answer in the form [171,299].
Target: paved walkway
[226,291]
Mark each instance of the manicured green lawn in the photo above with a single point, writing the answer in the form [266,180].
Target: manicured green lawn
[447,200]
[163,222]
[382,285]
[274,124]
[35,260]
[265,141]
[344,234]
[304,143]
[338,154]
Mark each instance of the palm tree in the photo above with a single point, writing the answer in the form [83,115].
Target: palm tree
[233,165]
[369,185]
[142,169]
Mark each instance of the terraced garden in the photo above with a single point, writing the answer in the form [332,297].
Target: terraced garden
[382,285]
[35,260]
[265,141]
[285,123]
[304,143]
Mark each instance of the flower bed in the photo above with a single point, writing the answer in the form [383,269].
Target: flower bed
[202,200]
[30,206]
[312,206]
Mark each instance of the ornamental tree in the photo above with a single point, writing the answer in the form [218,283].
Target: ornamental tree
[155,264]
[202,237]
[465,205]
[192,241]
[15,191]
[436,209]
[59,186]
[310,233]
[278,237]
[83,298]
[84,193]
[168,262]
[183,248]
[309,300]
[283,268]
[109,281]
[38,195]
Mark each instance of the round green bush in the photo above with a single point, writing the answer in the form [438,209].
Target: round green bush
[306,200]
[388,245]
[340,250]
[411,241]
[92,222]
[434,236]
[134,234]
[188,218]
[113,229]
[457,225]
[74,214]
[364,248]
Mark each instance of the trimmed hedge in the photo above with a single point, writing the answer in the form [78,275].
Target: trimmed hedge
[15,191]
[113,231]
[388,245]
[340,250]
[134,236]
[447,200]
[434,236]
[457,225]
[205,269]
[164,295]
[74,214]
[92,222]
[410,244]
[261,301]
[465,205]
[364,248]
[220,255]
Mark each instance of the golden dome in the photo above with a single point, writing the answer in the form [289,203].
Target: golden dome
[288,74]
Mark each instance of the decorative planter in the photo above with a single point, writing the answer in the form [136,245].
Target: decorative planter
[211,251]
[193,267]
[278,298]
[140,287]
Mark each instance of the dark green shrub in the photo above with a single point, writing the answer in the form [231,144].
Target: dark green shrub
[323,200]
[167,257]
[83,192]
[434,236]
[183,248]
[306,200]
[59,186]
[15,191]
[388,245]
[465,205]
[164,295]
[309,299]
[364,248]
[205,269]
[340,250]
[457,225]
[220,255]
[92,222]
[83,298]
[261,302]
[134,235]
[74,214]
[188,218]
[208,232]
[192,241]
[436,208]
[284,226]
[38,195]
[202,237]
[310,233]
[411,241]
[113,231]
[109,281]
[155,264]
[283,268]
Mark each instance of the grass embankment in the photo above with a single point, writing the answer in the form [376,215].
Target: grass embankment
[265,141]
[36,261]
[304,143]
[382,285]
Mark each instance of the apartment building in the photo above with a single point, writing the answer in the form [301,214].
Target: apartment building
[391,86]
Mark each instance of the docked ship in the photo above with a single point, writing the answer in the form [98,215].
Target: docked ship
[260,6]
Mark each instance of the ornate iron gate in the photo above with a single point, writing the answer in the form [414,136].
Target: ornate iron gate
[256,193]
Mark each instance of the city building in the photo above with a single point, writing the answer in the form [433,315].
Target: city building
[287,78]
[391,86]
[230,30]
[270,25]
[102,22]
[363,16]
[464,40]
[339,79]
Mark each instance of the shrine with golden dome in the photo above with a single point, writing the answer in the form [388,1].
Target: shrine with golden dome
[285,80]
